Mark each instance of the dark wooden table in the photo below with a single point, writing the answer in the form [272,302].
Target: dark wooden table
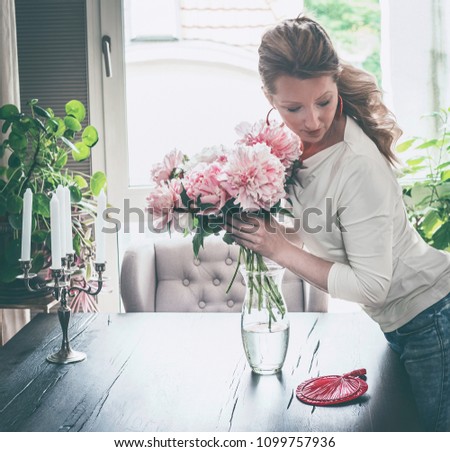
[187,372]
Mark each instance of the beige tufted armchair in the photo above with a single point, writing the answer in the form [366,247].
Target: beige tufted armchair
[164,276]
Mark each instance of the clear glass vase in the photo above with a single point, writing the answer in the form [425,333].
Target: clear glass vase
[264,319]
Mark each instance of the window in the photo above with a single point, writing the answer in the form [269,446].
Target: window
[191,75]
[355,29]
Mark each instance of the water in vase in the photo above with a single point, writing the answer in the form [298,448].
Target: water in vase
[266,348]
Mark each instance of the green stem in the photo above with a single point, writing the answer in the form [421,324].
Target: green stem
[236,270]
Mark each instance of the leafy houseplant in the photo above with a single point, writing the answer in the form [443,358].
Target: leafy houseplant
[36,151]
[426,184]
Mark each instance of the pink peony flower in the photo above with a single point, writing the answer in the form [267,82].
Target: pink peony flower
[162,172]
[208,155]
[282,142]
[202,184]
[162,201]
[254,177]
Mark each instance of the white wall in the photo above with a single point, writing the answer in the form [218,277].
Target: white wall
[187,104]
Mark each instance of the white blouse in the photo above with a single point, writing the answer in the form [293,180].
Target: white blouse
[351,212]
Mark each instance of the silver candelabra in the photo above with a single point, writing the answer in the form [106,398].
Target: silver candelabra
[60,285]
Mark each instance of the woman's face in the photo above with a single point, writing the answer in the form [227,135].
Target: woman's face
[307,106]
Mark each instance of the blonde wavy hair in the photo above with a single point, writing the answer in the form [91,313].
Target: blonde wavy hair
[301,48]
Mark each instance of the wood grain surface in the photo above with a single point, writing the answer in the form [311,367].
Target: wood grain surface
[188,372]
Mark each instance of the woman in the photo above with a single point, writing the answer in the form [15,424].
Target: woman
[359,245]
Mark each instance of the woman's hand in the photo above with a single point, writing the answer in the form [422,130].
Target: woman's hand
[262,234]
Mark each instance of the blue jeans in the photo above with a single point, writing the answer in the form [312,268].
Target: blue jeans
[424,348]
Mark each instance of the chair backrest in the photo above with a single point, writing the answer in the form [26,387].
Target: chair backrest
[163,275]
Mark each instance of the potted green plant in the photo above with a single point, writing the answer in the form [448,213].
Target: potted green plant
[36,151]
[426,183]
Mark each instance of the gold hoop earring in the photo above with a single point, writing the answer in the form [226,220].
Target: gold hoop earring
[268,120]
[268,114]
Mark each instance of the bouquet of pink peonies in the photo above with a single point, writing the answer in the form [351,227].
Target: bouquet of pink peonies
[196,194]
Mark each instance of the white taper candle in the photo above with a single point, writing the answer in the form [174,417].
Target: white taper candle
[68,221]
[99,233]
[26,224]
[55,222]
[62,226]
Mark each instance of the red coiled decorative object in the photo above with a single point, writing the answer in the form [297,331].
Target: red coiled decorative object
[332,389]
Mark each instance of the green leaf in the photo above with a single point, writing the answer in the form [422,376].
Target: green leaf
[445,175]
[441,238]
[69,134]
[39,236]
[17,142]
[402,147]
[69,143]
[53,125]
[8,112]
[75,194]
[5,127]
[98,181]
[227,238]
[38,262]
[15,220]
[82,152]
[41,112]
[420,194]
[428,144]
[287,212]
[23,126]
[443,165]
[197,242]
[80,181]
[61,127]
[416,161]
[76,109]
[90,136]
[430,223]
[39,124]
[32,102]
[61,161]
[41,205]
[14,204]
[14,160]
[72,123]
[77,244]
[443,190]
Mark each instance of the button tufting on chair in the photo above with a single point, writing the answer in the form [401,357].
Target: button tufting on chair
[153,272]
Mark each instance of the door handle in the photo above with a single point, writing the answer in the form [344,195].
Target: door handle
[106,50]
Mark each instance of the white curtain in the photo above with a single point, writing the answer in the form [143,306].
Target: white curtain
[11,320]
